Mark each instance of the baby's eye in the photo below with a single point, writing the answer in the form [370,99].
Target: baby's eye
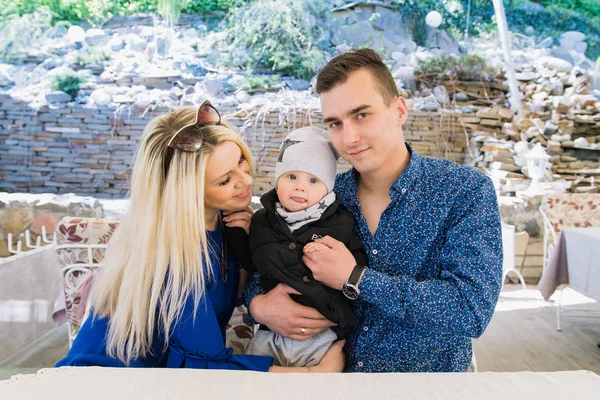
[313,180]
[292,177]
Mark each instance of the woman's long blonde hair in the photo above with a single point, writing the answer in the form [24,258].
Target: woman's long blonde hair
[154,260]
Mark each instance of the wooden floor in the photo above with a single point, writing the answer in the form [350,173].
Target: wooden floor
[522,335]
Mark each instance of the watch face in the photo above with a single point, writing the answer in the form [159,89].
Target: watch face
[350,291]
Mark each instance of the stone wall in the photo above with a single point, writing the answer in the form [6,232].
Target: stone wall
[89,150]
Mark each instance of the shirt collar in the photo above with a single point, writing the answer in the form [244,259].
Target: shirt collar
[400,187]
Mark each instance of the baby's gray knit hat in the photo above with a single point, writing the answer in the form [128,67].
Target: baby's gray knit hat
[309,150]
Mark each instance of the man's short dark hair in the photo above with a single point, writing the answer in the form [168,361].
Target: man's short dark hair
[337,70]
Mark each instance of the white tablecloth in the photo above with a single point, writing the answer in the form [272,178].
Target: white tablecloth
[576,261]
[113,383]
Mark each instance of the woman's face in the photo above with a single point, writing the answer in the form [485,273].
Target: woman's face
[228,179]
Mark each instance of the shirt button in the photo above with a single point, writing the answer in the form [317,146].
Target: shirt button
[306,279]
[292,246]
[365,328]
[360,363]
[374,251]
[403,191]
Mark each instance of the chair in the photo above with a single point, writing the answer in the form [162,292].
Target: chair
[81,244]
[508,247]
[567,210]
[521,243]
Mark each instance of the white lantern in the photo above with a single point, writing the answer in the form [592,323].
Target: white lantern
[537,159]
[433,19]
[76,34]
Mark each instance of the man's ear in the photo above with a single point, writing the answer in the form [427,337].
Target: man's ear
[402,109]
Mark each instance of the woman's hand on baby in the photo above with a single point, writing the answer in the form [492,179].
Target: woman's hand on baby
[239,219]
[333,360]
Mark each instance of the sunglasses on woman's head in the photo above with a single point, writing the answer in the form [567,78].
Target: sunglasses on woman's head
[190,137]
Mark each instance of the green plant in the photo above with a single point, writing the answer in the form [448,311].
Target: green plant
[67,81]
[467,67]
[19,33]
[280,35]
[262,81]
[203,6]
[92,56]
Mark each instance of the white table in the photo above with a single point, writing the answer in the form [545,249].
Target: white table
[576,261]
[113,383]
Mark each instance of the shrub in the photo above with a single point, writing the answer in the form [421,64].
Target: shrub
[280,35]
[91,56]
[467,67]
[68,81]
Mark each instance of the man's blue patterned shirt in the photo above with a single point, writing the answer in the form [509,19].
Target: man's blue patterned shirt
[435,269]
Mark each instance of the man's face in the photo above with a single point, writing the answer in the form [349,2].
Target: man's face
[364,131]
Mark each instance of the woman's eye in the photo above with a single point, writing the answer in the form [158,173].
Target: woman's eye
[242,160]
[225,182]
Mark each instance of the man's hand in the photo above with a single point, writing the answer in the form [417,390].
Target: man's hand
[281,314]
[330,261]
[239,219]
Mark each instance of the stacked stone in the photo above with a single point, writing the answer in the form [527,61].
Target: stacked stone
[562,114]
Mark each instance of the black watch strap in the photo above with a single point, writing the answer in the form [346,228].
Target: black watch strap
[355,275]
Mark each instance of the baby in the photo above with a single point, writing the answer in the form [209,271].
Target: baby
[301,208]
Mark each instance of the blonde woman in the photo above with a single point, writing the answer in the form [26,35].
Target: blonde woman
[169,284]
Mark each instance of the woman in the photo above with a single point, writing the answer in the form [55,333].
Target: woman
[168,285]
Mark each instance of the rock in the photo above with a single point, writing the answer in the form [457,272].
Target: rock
[116,44]
[429,107]
[297,84]
[101,97]
[190,33]
[577,165]
[581,142]
[545,44]
[526,76]
[96,37]
[150,51]
[461,97]
[179,47]
[5,79]
[550,128]
[135,43]
[214,86]
[553,146]
[580,47]
[467,110]
[355,35]
[441,95]
[143,103]
[58,97]
[557,88]
[568,40]
[529,31]
[242,96]
[563,54]
[568,143]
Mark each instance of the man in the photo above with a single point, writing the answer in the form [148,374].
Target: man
[431,229]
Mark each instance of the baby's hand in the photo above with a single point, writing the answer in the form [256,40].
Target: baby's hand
[313,247]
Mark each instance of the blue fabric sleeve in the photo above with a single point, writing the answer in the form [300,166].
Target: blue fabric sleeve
[463,299]
[89,348]
[252,289]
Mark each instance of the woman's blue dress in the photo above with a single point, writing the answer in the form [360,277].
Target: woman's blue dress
[194,343]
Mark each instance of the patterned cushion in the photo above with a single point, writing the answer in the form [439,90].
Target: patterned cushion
[569,210]
[78,282]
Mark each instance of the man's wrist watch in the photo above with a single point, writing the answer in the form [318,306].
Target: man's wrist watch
[350,288]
